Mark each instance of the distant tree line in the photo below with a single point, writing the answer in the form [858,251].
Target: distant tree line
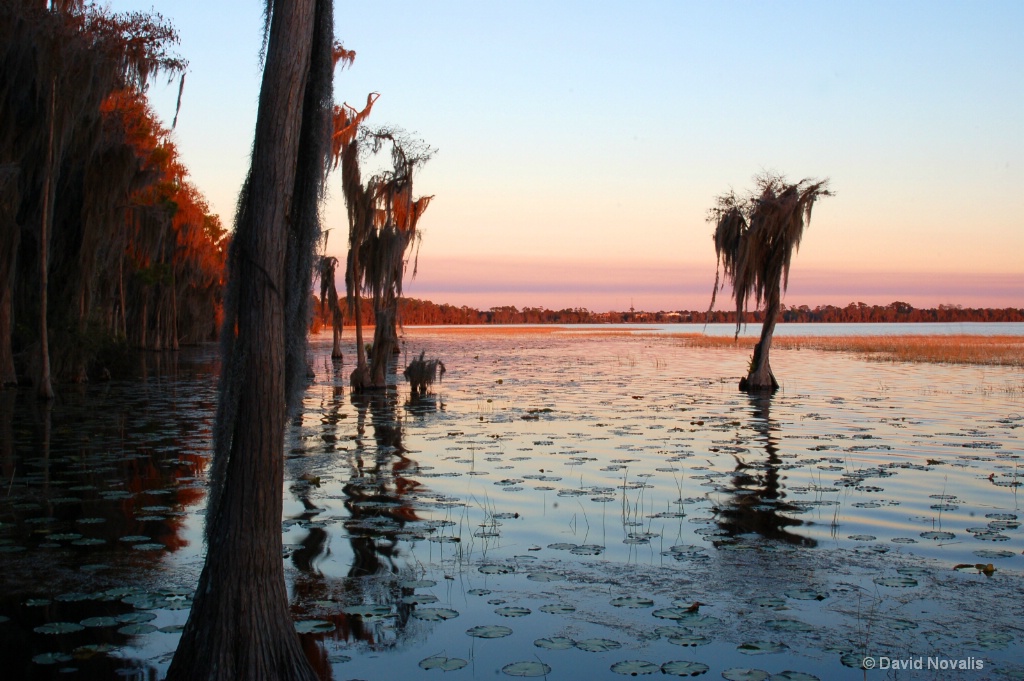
[416,312]
[104,242]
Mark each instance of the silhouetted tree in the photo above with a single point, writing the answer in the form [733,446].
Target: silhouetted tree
[240,625]
[755,238]
[384,251]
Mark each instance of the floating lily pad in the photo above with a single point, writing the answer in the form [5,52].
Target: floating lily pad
[418,584]
[794,676]
[914,572]
[745,674]
[853,660]
[635,667]
[479,592]
[419,599]
[900,582]
[795,626]
[632,602]
[992,553]
[587,549]
[684,668]
[100,622]
[172,629]
[367,611]
[557,609]
[51,658]
[58,628]
[806,594]
[314,627]
[545,576]
[513,611]
[598,645]
[446,664]
[136,617]
[75,597]
[434,614]
[761,647]
[555,643]
[136,629]
[531,669]
[938,535]
[495,569]
[768,602]
[489,631]
[689,640]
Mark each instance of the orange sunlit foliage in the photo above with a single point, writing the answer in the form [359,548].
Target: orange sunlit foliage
[174,248]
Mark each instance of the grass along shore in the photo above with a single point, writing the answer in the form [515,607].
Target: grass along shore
[952,349]
[934,349]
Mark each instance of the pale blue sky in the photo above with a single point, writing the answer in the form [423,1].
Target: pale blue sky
[581,143]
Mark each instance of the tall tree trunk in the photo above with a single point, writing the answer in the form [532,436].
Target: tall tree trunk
[10,234]
[360,378]
[761,377]
[44,388]
[240,626]
[337,324]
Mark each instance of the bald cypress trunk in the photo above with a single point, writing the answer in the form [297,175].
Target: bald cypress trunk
[761,377]
[240,626]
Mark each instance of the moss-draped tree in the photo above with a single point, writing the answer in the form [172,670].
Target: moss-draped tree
[755,239]
[240,625]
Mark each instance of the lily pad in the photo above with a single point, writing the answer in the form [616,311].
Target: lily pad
[557,609]
[689,640]
[545,576]
[745,674]
[598,645]
[446,664]
[100,622]
[632,602]
[489,631]
[435,614]
[555,643]
[513,611]
[51,658]
[529,668]
[938,535]
[635,667]
[684,668]
[794,626]
[900,582]
[367,611]
[761,647]
[794,676]
[58,628]
[136,629]
[314,627]
[495,569]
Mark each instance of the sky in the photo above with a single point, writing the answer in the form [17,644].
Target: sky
[580,144]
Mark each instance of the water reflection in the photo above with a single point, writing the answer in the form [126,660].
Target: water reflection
[379,496]
[757,497]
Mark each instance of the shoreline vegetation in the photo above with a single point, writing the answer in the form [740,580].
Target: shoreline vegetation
[416,312]
[1000,350]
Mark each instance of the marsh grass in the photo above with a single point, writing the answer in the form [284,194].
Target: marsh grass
[952,349]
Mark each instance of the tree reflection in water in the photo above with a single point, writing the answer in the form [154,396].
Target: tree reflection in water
[379,497]
[756,495]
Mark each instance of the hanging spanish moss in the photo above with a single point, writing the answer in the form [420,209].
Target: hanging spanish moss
[755,238]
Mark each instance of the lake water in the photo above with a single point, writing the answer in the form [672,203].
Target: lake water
[555,508]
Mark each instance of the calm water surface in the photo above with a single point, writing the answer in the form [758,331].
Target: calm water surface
[560,501]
